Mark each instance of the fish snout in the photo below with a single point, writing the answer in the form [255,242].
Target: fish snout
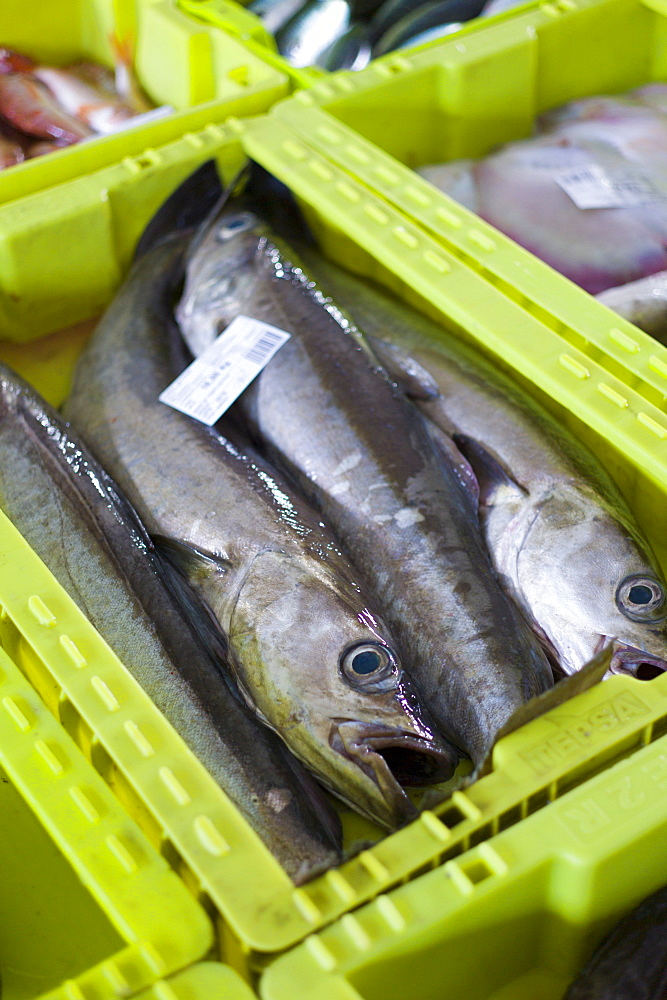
[635,662]
[393,758]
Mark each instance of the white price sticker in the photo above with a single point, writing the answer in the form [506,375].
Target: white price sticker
[217,377]
[590,186]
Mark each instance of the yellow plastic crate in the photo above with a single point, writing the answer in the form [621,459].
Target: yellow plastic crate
[69,220]
[87,907]
[514,918]
[257,911]
[462,96]
[234,19]
[206,981]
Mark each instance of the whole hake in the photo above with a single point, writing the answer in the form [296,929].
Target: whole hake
[311,657]
[328,413]
[72,515]
[544,500]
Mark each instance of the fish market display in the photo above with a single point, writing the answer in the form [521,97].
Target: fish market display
[43,108]
[71,514]
[326,411]
[587,193]
[543,500]
[311,656]
[347,34]
[631,962]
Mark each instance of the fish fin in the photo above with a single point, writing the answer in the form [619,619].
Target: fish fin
[185,208]
[590,674]
[408,374]
[454,458]
[490,474]
[189,559]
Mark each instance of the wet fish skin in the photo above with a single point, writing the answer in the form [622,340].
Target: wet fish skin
[72,515]
[545,500]
[426,17]
[411,529]
[270,573]
[631,962]
[276,13]
[311,32]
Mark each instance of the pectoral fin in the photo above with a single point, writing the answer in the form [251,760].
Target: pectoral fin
[194,563]
[408,374]
[494,481]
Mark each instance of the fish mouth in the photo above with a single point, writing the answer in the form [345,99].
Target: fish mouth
[635,662]
[392,758]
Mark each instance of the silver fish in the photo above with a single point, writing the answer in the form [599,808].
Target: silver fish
[442,14]
[72,515]
[274,14]
[310,656]
[544,500]
[642,302]
[631,962]
[327,412]
[305,38]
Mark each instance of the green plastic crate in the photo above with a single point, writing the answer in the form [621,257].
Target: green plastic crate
[256,910]
[69,220]
[462,96]
[205,981]
[88,909]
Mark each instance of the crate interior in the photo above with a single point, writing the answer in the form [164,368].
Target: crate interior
[51,928]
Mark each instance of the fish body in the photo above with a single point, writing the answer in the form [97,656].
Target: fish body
[274,14]
[560,536]
[28,105]
[311,32]
[327,412]
[425,18]
[73,516]
[87,103]
[606,234]
[642,302]
[351,51]
[310,656]
[631,962]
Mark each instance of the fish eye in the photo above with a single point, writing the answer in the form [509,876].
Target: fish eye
[641,599]
[240,223]
[369,665]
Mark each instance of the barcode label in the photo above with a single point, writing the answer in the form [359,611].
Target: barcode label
[590,186]
[219,375]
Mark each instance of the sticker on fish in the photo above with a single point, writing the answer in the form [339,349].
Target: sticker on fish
[209,386]
[590,186]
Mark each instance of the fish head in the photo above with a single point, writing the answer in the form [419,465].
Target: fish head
[602,588]
[325,675]
[219,275]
